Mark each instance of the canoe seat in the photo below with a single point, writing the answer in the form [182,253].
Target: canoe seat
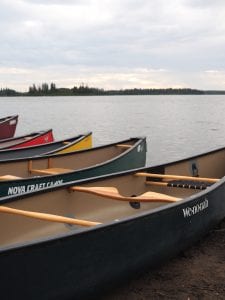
[113,193]
[50,171]
[9,177]
[123,146]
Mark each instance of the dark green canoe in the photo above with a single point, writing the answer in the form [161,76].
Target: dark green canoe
[35,173]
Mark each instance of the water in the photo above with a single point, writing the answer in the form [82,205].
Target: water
[175,126]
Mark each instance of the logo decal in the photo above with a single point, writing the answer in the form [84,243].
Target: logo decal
[16,190]
[190,211]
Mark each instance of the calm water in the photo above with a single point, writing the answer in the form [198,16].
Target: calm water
[175,126]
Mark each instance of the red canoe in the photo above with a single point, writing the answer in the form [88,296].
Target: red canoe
[32,139]
[8,126]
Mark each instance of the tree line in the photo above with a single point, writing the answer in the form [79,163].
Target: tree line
[46,89]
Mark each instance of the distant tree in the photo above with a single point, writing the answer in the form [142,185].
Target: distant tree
[44,88]
[52,87]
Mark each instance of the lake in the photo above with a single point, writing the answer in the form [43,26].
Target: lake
[175,126]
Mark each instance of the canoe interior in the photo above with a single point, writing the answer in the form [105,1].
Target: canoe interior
[81,205]
[64,163]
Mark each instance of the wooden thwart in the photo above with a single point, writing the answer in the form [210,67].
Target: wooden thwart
[51,171]
[178,177]
[113,193]
[123,146]
[47,217]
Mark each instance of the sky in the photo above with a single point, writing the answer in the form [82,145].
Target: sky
[113,44]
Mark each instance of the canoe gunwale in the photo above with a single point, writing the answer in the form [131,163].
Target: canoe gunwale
[9,118]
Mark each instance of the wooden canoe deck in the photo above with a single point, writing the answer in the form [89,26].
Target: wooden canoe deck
[9,177]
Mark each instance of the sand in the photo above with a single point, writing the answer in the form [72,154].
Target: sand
[197,273]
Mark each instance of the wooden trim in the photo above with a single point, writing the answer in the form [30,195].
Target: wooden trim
[30,163]
[47,217]
[113,193]
[9,177]
[157,183]
[51,171]
[49,163]
[123,146]
[178,177]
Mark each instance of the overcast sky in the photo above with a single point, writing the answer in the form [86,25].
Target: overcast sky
[113,44]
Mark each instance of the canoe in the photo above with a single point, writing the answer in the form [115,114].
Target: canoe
[23,175]
[83,237]
[8,126]
[31,139]
[79,142]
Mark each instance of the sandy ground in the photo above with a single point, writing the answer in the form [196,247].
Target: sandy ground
[197,273]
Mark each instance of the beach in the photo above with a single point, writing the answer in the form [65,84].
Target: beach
[197,273]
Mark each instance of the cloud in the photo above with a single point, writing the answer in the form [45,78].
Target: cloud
[100,39]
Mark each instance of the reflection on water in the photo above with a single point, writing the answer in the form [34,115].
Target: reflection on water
[175,126]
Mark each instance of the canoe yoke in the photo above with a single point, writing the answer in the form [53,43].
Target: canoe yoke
[113,193]
[189,182]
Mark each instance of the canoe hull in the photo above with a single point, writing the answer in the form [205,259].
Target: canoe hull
[31,139]
[80,142]
[42,139]
[8,127]
[86,143]
[67,267]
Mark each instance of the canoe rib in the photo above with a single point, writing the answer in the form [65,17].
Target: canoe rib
[113,193]
[46,217]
